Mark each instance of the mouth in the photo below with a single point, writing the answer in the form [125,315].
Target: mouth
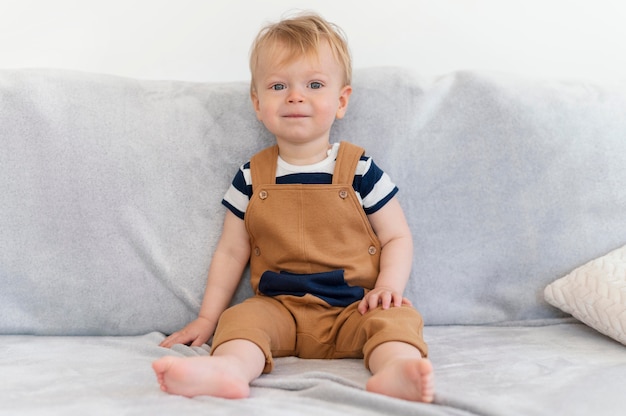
[295,116]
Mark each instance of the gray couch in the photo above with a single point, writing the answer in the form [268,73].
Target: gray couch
[110,192]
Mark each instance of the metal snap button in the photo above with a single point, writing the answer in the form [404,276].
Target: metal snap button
[257,251]
[372,250]
[343,194]
[263,194]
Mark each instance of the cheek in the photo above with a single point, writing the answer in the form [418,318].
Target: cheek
[264,109]
[266,114]
[268,117]
[329,110]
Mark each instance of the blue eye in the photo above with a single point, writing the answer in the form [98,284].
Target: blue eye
[278,87]
[315,85]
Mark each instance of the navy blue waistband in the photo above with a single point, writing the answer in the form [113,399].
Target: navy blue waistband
[329,286]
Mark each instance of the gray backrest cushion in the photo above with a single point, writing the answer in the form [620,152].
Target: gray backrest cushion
[110,190]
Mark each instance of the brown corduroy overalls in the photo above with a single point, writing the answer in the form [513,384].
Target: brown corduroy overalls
[313,257]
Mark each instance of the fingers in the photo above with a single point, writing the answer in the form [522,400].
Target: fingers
[166,343]
[383,297]
[175,338]
[363,306]
[195,333]
[384,300]
[371,301]
[198,342]
[185,339]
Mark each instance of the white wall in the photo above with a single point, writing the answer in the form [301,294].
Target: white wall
[204,40]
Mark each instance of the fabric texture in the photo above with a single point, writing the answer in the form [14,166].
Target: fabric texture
[306,327]
[329,286]
[595,293]
[310,228]
[481,370]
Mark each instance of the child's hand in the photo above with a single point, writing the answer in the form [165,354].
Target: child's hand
[195,333]
[383,296]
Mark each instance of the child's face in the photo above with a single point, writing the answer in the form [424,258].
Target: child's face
[298,101]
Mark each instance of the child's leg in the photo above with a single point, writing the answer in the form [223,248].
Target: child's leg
[227,373]
[398,370]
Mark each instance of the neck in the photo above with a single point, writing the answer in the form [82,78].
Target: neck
[303,153]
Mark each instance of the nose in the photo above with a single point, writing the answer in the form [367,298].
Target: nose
[295,96]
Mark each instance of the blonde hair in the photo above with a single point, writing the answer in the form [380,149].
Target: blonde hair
[301,35]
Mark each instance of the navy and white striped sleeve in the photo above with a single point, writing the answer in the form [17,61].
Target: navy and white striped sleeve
[238,194]
[373,185]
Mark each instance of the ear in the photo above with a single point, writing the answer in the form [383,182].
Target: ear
[255,103]
[344,98]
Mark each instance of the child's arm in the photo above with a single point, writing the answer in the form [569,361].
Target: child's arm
[396,257]
[230,259]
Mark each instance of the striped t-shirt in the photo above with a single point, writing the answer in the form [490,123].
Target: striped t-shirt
[373,187]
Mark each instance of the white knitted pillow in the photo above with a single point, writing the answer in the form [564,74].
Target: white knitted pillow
[595,293]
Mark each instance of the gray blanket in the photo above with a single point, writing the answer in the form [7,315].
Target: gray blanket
[480,371]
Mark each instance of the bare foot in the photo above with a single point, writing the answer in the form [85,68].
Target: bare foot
[197,376]
[408,379]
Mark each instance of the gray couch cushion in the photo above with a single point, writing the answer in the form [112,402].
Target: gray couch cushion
[110,202]
[110,190]
[509,183]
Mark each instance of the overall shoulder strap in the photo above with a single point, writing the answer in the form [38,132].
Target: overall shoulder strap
[347,159]
[263,167]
